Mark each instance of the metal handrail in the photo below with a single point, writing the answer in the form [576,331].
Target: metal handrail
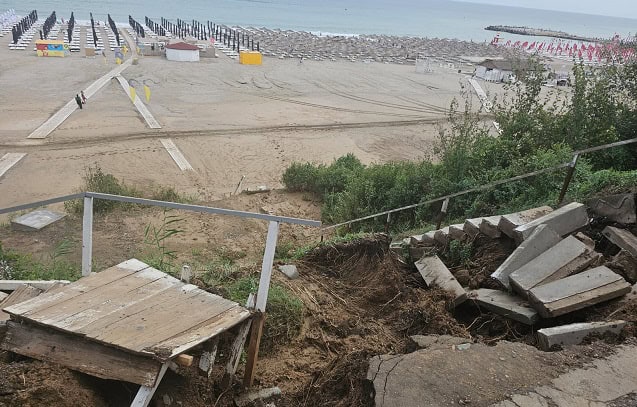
[571,164]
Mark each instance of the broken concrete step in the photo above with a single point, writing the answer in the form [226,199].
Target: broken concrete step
[542,239]
[576,292]
[434,272]
[626,265]
[489,226]
[563,221]
[509,222]
[3,295]
[617,208]
[442,235]
[456,232]
[426,239]
[574,334]
[567,257]
[505,304]
[622,238]
[472,227]
[36,220]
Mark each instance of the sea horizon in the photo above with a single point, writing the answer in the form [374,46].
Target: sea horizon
[450,19]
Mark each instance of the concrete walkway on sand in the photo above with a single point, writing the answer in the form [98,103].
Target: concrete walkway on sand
[58,118]
[9,160]
[141,107]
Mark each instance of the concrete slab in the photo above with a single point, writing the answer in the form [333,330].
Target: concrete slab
[438,341]
[426,239]
[36,220]
[442,235]
[617,208]
[542,239]
[622,238]
[565,258]
[576,292]
[9,160]
[434,272]
[472,227]
[509,222]
[456,232]
[489,226]
[574,334]
[563,221]
[505,304]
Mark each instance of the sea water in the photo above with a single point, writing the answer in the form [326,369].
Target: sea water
[423,18]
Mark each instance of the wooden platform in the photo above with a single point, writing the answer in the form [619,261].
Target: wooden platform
[124,323]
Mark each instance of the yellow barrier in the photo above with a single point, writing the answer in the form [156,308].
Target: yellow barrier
[250,58]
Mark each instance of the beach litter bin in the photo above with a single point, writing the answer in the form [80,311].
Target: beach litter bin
[250,58]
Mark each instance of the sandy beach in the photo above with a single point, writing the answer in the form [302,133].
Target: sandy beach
[228,119]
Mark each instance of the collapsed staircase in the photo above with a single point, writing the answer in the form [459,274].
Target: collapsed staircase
[554,270]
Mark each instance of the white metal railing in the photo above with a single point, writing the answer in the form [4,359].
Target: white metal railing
[87,228]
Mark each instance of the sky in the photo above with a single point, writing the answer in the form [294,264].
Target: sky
[615,8]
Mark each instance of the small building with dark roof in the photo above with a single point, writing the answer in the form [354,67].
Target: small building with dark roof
[181,51]
[494,70]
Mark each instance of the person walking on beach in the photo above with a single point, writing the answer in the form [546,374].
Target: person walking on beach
[78,100]
[83,98]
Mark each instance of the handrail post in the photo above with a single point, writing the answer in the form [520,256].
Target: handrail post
[87,236]
[567,180]
[443,212]
[388,222]
[262,300]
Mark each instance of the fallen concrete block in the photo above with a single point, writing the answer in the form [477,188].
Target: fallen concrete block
[36,220]
[290,271]
[434,272]
[472,227]
[574,334]
[442,235]
[489,227]
[576,292]
[542,239]
[563,221]
[509,222]
[567,257]
[456,232]
[504,304]
[617,208]
[622,238]
[426,239]
[626,265]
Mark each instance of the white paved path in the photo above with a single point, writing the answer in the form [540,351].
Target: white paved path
[58,118]
[177,155]
[9,160]
[141,107]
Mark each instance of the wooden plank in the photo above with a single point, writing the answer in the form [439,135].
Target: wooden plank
[574,334]
[505,304]
[176,155]
[8,161]
[108,306]
[145,393]
[93,300]
[567,257]
[79,354]
[80,287]
[23,293]
[434,272]
[3,295]
[141,107]
[184,360]
[578,291]
[10,285]
[204,331]
[622,238]
[186,314]
[253,349]
[235,353]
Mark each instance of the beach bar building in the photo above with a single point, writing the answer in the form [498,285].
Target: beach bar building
[180,51]
[494,70]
